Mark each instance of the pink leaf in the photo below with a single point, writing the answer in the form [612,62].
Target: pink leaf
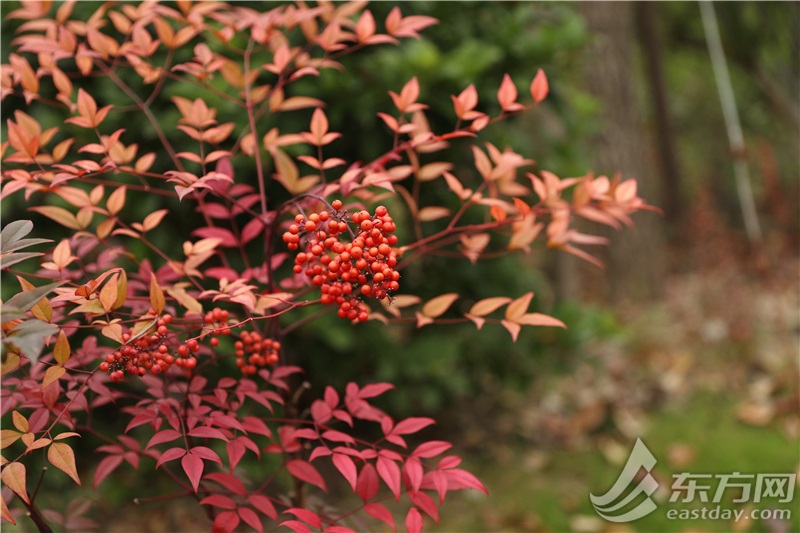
[451,461]
[225,522]
[440,484]
[412,425]
[235,451]
[367,486]
[310,517]
[218,500]
[374,389]
[413,521]
[105,467]
[461,479]
[229,481]
[305,472]
[206,453]
[227,238]
[193,466]
[319,451]
[338,436]
[390,473]
[380,512]
[263,504]
[170,455]
[252,229]
[426,503]
[320,411]
[331,397]
[431,449]
[296,526]
[252,519]
[413,469]
[207,432]
[163,436]
[347,468]
[539,87]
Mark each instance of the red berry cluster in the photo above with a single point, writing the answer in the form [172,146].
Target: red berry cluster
[345,272]
[253,351]
[149,353]
[218,320]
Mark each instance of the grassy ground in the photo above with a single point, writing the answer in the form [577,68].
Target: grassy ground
[549,492]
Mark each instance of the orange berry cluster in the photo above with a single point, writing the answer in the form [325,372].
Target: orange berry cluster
[345,272]
[253,351]
[149,353]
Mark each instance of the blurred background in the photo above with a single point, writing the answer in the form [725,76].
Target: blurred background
[688,339]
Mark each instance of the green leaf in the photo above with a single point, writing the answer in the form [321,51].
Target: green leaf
[29,337]
[25,300]
[12,259]
[24,243]
[13,232]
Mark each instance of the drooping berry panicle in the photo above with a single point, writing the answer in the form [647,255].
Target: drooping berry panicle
[149,353]
[347,272]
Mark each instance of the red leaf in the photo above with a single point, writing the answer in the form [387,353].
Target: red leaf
[296,526]
[412,425]
[331,397]
[305,472]
[161,437]
[218,500]
[319,451]
[451,461]
[305,515]
[338,436]
[252,519]
[235,451]
[229,481]
[413,469]
[440,484]
[426,503]
[461,479]
[207,432]
[347,467]
[193,466]
[225,522]
[263,504]
[539,87]
[390,473]
[251,230]
[256,425]
[413,521]
[431,449]
[380,512]
[374,389]
[105,467]
[367,486]
[206,453]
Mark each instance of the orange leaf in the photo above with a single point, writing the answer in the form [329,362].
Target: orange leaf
[61,351]
[58,214]
[518,307]
[488,305]
[122,290]
[498,213]
[426,214]
[52,375]
[8,437]
[523,208]
[14,478]
[538,319]
[156,295]
[507,94]
[61,456]
[5,513]
[20,422]
[437,306]
[152,220]
[116,201]
[512,328]
[108,294]
[113,332]
[539,87]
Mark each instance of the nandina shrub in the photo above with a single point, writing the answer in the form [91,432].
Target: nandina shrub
[181,334]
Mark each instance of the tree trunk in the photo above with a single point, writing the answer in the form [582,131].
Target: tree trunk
[635,262]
